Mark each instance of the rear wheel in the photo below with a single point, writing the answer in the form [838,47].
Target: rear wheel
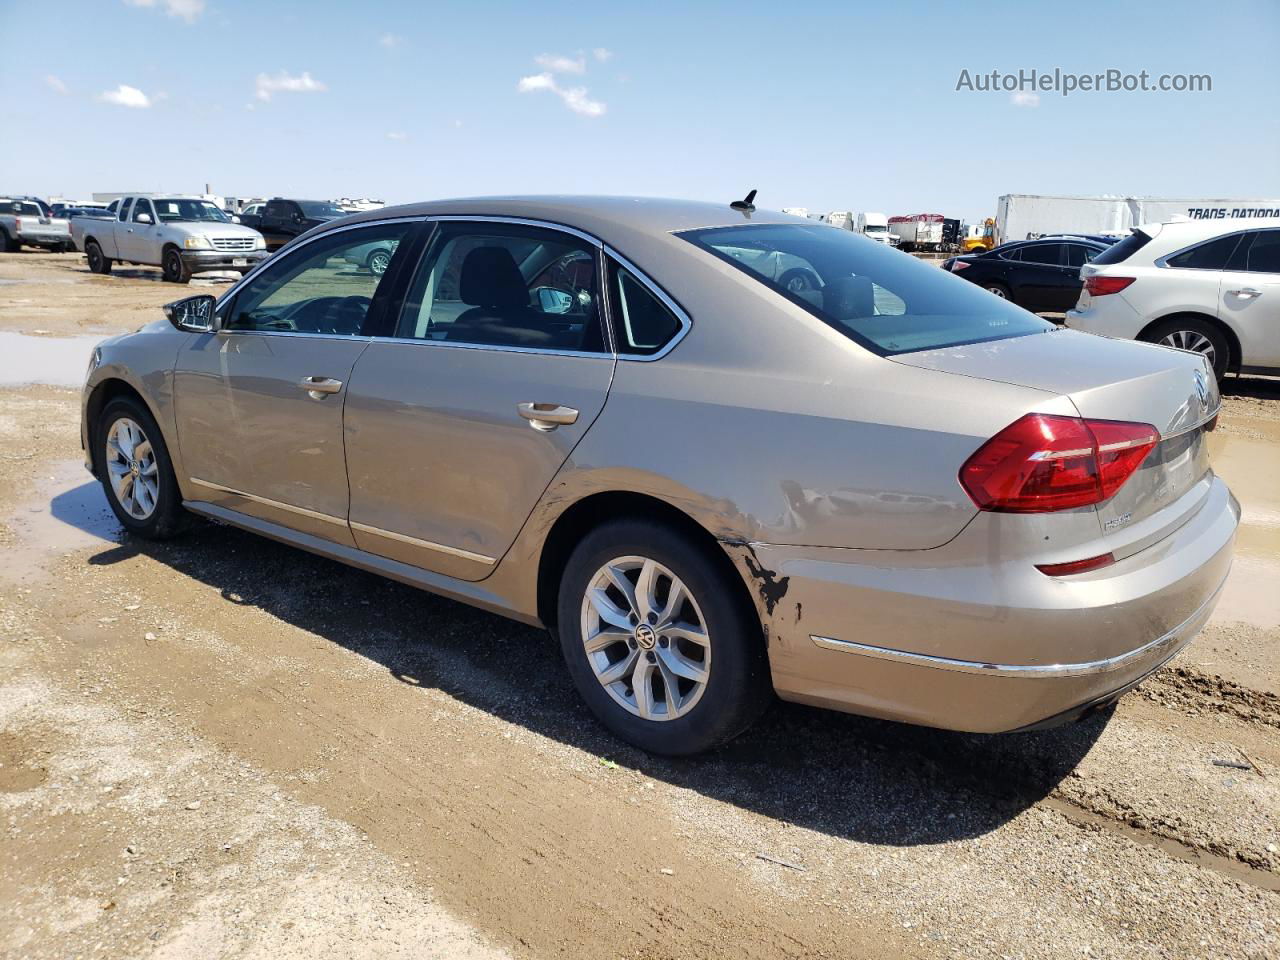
[8,243]
[662,648]
[379,260]
[175,270]
[98,261]
[136,472]
[1198,336]
[998,290]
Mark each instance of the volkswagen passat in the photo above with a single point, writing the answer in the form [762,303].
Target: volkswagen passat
[887,492]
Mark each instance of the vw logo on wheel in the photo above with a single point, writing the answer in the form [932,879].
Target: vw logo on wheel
[645,637]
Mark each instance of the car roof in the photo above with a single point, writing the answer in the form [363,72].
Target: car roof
[601,216]
[1189,231]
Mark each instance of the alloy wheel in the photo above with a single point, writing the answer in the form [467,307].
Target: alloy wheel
[378,263]
[1191,340]
[645,638]
[132,469]
[998,292]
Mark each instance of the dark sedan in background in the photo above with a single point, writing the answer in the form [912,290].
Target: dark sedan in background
[1039,275]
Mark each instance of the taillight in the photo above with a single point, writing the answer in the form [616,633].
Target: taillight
[1101,286]
[17,225]
[1045,462]
[958,265]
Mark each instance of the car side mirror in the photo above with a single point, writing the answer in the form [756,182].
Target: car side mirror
[144,218]
[553,300]
[193,314]
[235,218]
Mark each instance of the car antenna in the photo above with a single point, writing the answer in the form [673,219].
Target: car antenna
[747,205]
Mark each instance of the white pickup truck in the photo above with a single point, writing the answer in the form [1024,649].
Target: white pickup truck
[24,221]
[181,235]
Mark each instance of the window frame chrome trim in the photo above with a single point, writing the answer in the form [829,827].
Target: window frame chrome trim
[686,322]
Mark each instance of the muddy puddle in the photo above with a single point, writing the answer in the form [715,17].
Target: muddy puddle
[56,361]
[67,513]
[1252,469]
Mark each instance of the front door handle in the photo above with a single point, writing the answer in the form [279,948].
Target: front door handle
[320,387]
[1246,293]
[546,416]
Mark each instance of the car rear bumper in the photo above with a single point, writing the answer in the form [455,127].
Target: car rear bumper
[920,639]
[1109,316]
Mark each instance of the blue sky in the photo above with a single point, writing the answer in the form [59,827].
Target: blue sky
[829,106]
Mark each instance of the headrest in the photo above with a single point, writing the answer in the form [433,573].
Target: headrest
[849,298]
[490,278]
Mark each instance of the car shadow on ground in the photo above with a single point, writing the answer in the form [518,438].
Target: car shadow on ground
[1258,388]
[852,777]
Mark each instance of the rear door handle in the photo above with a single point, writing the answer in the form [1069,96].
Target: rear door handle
[546,416]
[1246,293]
[319,387]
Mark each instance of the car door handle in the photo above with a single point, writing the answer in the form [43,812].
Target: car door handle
[319,387]
[1246,293]
[546,416]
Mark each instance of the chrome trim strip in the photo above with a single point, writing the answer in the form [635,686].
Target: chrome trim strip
[459,345]
[685,320]
[517,221]
[1169,644]
[267,502]
[426,544]
[1195,426]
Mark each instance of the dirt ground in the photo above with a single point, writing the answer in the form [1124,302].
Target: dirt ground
[223,747]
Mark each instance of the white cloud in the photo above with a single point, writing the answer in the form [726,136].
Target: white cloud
[390,40]
[555,63]
[398,136]
[283,82]
[56,85]
[188,10]
[602,53]
[575,98]
[126,96]
[1025,98]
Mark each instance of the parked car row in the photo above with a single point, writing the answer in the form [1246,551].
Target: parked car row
[27,221]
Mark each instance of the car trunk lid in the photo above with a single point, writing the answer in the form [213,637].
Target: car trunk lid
[1172,390]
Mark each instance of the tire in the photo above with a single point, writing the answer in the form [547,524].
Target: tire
[798,279]
[379,260]
[98,261]
[701,714]
[1198,336]
[124,469]
[8,244]
[998,290]
[175,270]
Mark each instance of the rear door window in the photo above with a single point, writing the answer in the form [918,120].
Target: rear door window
[124,208]
[1211,255]
[1264,254]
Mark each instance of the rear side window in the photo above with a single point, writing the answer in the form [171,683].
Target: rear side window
[642,323]
[887,302]
[1122,251]
[1264,254]
[1212,255]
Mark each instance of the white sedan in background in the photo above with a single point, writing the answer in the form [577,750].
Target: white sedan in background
[1212,287]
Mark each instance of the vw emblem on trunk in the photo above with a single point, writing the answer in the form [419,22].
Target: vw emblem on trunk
[1202,390]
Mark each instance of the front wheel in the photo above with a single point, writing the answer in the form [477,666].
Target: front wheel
[663,648]
[379,260]
[175,270]
[136,472]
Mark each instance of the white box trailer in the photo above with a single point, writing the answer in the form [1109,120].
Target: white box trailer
[1024,216]
[840,218]
[919,231]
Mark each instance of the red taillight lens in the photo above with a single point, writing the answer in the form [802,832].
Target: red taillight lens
[1076,566]
[1101,286]
[1044,462]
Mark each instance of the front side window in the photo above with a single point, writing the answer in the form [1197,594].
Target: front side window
[1213,255]
[1046,254]
[317,208]
[1264,253]
[141,206]
[507,286]
[319,288]
[1078,254]
[874,295]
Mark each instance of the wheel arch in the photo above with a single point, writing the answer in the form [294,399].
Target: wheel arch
[111,388]
[1233,341]
[586,514]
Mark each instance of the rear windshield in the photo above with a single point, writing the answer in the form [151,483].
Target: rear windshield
[1124,249]
[887,301]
